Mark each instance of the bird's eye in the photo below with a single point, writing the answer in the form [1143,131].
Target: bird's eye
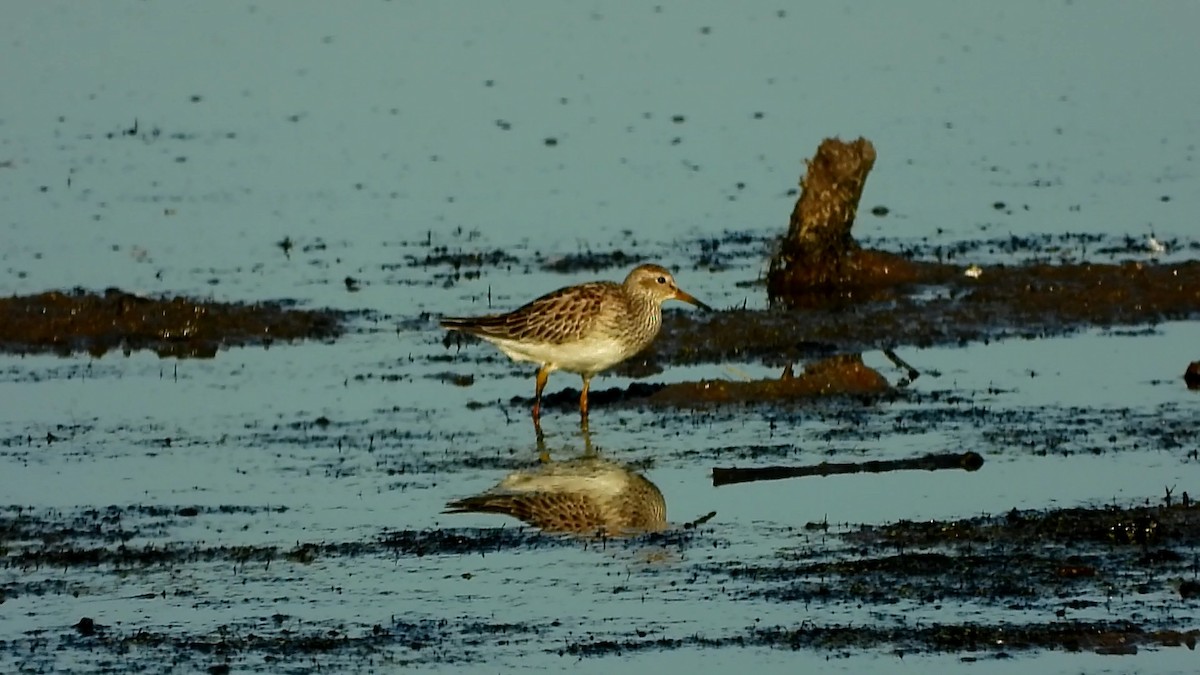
[662,280]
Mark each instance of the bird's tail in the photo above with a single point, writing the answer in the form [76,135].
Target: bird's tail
[476,325]
[487,503]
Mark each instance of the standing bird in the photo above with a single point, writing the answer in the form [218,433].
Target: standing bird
[582,329]
[587,495]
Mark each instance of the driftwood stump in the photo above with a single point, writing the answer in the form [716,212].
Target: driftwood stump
[819,255]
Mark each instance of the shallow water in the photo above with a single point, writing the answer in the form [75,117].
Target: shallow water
[163,149]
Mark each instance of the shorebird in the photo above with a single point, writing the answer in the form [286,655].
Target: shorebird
[582,329]
[587,495]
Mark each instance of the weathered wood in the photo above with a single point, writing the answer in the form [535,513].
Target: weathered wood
[819,254]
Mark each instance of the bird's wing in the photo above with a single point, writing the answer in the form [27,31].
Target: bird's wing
[559,317]
[548,511]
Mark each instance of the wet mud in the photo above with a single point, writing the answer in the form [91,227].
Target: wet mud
[1034,300]
[1060,561]
[77,553]
[912,300]
[82,321]
[1108,579]
[932,303]
[950,308]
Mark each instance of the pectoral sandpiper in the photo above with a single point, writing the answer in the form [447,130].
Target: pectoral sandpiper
[587,495]
[582,329]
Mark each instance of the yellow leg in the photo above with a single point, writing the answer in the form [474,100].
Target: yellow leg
[583,406]
[543,453]
[543,374]
[587,437]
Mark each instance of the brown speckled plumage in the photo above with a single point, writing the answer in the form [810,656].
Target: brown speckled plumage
[563,316]
[587,496]
[582,329]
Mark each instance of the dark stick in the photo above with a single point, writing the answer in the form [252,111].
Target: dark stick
[968,461]
[913,373]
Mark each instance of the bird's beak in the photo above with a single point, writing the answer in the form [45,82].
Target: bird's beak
[687,297]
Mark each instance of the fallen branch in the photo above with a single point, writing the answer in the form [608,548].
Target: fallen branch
[968,461]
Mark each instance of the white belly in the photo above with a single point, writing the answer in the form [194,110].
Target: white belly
[582,357]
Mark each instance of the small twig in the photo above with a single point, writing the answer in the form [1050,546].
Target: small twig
[913,373]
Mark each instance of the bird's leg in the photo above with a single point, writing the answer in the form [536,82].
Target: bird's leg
[543,453]
[588,449]
[583,406]
[543,374]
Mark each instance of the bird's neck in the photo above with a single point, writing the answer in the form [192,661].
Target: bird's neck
[648,313]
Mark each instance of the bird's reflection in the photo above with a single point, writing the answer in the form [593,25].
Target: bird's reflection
[587,495]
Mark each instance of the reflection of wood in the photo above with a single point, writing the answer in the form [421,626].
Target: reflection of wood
[969,461]
[588,495]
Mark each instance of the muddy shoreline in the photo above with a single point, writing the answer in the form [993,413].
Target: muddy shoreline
[67,322]
[1111,579]
[936,303]
[1045,561]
